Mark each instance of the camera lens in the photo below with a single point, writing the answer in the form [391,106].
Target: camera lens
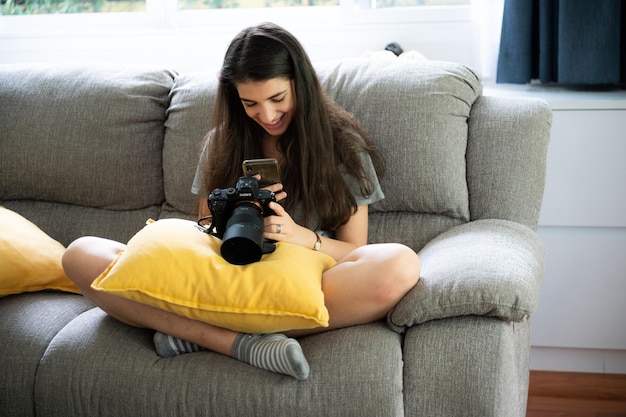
[243,237]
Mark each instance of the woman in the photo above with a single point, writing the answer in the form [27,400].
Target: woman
[270,104]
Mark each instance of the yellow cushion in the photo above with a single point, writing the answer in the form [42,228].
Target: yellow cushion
[171,265]
[30,260]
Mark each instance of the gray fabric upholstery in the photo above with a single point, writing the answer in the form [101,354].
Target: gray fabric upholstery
[81,147]
[32,321]
[417,115]
[343,381]
[412,229]
[426,154]
[462,367]
[185,128]
[73,117]
[98,151]
[485,267]
[68,222]
[504,182]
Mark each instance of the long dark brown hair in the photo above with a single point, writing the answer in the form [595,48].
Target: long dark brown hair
[321,138]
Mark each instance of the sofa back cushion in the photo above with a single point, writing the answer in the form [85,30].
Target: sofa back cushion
[415,111]
[188,120]
[417,114]
[81,146]
[83,136]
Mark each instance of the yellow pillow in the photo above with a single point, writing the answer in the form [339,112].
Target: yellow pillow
[30,259]
[171,265]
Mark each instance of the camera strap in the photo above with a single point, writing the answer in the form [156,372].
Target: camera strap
[210,229]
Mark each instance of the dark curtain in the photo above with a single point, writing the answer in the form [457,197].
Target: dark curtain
[570,42]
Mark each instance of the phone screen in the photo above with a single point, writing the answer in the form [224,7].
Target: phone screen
[268,168]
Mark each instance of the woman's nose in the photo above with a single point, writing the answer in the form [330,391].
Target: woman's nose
[267,114]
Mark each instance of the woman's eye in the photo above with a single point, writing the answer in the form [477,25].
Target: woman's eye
[279,100]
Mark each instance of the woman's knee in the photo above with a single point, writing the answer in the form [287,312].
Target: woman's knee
[411,267]
[87,257]
[402,272]
[397,268]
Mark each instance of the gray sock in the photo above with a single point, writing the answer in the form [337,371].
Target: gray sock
[168,346]
[272,352]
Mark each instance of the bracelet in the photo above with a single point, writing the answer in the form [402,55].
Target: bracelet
[318,243]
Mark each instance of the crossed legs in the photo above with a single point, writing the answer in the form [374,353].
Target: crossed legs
[360,289]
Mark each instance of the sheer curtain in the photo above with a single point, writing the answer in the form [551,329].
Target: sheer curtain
[571,42]
[487,24]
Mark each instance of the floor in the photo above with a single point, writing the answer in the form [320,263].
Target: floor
[561,394]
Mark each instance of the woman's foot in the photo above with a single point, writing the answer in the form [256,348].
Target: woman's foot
[273,352]
[168,346]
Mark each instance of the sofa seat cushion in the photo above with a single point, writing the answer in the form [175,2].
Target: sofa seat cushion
[28,323]
[108,368]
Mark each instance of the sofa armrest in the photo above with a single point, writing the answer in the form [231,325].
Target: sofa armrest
[486,267]
[506,158]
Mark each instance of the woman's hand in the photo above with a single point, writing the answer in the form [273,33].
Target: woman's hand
[277,189]
[281,227]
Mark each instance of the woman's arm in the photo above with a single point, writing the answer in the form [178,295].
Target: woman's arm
[355,230]
[347,237]
[203,208]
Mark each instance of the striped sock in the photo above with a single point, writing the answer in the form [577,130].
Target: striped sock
[272,352]
[168,346]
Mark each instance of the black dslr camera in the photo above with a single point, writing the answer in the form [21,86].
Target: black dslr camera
[238,220]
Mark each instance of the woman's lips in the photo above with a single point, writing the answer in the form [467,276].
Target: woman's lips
[275,125]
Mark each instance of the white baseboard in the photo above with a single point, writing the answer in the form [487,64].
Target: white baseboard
[578,360]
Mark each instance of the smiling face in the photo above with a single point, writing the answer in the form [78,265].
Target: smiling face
[271,103]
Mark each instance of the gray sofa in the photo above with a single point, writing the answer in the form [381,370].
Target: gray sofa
[88,150]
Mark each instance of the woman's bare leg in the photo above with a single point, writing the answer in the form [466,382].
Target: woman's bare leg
[86,258]
[365,285]
[362,288]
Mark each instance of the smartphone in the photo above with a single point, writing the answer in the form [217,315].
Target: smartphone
[268,168]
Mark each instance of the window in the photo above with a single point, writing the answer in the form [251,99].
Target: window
[190,35]
[400,11]
[225,4]
[377,4]
[30,7]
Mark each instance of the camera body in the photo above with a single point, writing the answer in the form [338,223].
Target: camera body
[238,220]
